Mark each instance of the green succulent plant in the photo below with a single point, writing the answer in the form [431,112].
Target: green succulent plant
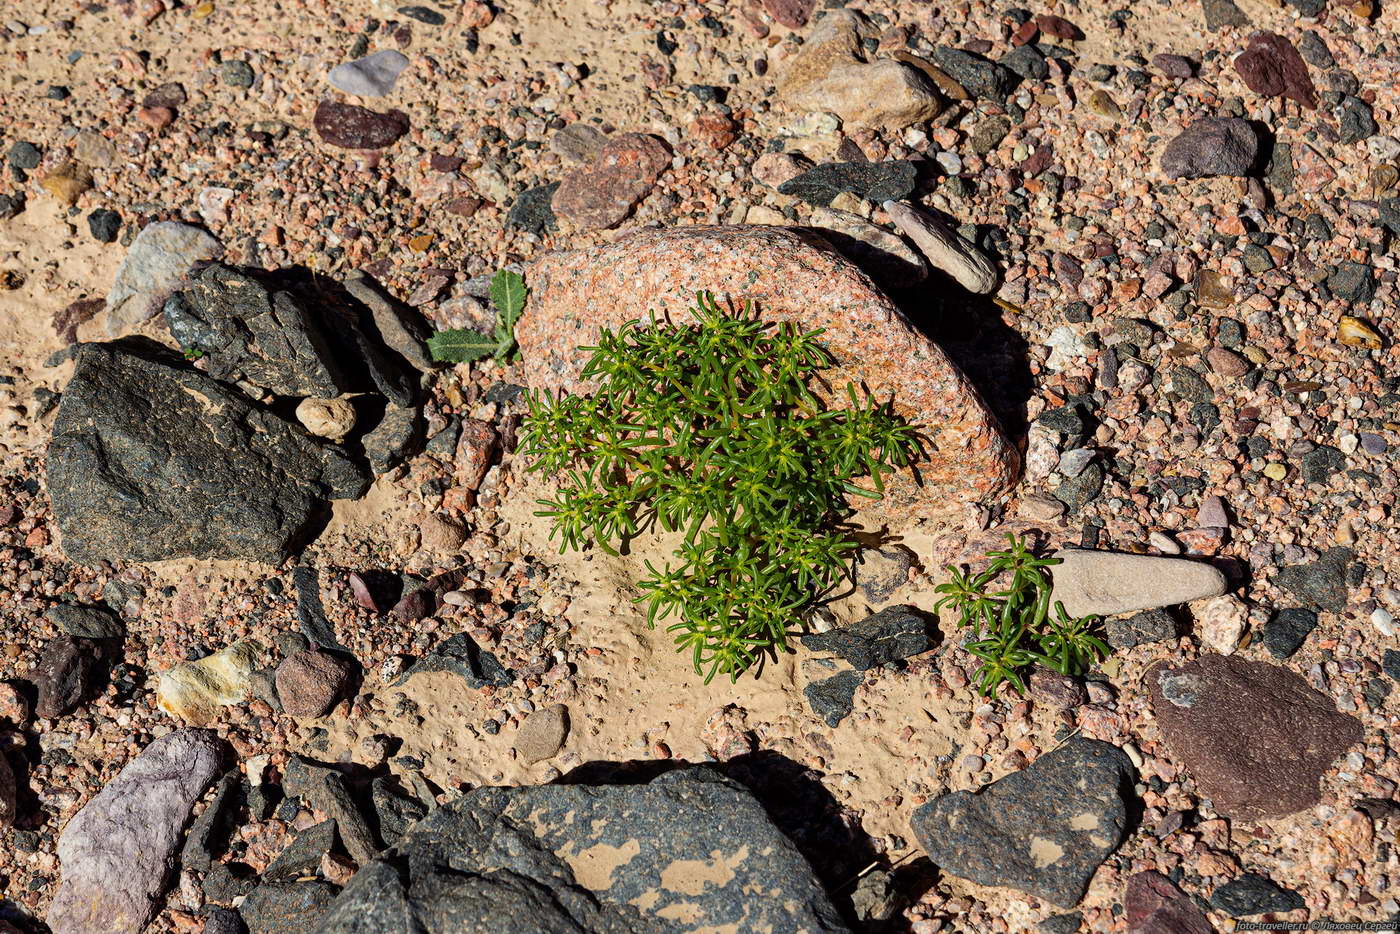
[1014,629]
[712,428]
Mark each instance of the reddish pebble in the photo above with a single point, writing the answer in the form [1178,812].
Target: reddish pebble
[157,118]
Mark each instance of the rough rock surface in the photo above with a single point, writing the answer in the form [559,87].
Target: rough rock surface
[352,127]
[65,674]
[872,181]
[1154,905]
[252,332]
[287,907]
[116,853]
[833,698]
[891,262]
[1255,736]
[894,633]
[542,734]
[1271,66]
[602,194]
[791,276]
[85,622]
[9,792]
[830,74]
[1043,830]
[611,859]
[1108,583]
[159,258]
[195,691]
[310,682]
[151,459]
[371,76]
[1212,146]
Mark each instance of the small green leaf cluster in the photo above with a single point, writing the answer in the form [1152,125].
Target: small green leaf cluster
[1013,629]
[711,428]
[459,345]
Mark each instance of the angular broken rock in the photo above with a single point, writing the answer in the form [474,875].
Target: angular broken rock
[944,248]
[1255,736]
[883,255]
[602,194]
[196,691]
[158,260]
[1043,830]
[9,793]
[894,633]
[1212,146]
[617,858]
[829,73]
[253,332]
[1155,905]
[401,328]
[791,276]
[1107,583]
[116,853]
[152,459]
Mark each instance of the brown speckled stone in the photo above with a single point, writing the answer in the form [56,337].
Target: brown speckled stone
[1255,736]
[792,276]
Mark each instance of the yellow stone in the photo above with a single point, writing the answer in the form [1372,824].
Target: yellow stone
[1275,471]
[420,244]
[203,10]
[68,182]
[1103,104]
[194,691]
[1357,333]
[1256,355]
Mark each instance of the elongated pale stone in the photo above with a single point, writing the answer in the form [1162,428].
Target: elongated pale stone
[943,248]
[1108,583]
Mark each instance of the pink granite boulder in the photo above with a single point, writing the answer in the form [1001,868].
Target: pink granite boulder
[795,276]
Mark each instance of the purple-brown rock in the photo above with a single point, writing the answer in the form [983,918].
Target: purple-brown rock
[64,674]
[791,276]
[601,195]
[1155,906]
[310,682]
[1255,736]
[351,127]
[9,792]
[1212,146]
[117,852]
[1271,66]
[793,14]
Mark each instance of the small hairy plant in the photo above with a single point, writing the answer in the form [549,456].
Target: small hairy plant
[460,345]
[1013,628]
[711,428]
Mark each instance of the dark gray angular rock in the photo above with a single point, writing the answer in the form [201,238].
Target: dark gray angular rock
[609,859]
[833,698]
[1026,61]
[1043,830]
[325,789]
[152,459]
[1390,664]
[222,885]
[533,210]
[401,328]
[117,852]
[210,829]
[302,857]
[873,181]
[396,811]
[253,332]
[1061,924]
[1321,583]
[1352,281]
[1081,490]
[1286,632]
[9,793]
[1355,119]
[979,77]
[892,634]
[1222,13]
[1253,894]
[461,656]
[85,622]
[1212,146]
[395,437]
[223,921]
[1124,632]
[287,907]
[882,571]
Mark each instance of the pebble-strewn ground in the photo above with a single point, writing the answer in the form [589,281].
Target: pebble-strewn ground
[1190,365]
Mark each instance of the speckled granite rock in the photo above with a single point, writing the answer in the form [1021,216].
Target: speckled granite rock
[1255,736]
[792,276]
[611,859]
